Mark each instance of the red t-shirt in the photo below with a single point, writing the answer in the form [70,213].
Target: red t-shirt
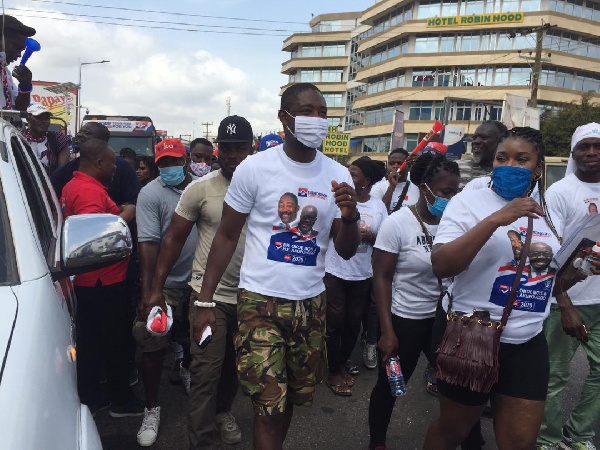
[86,195]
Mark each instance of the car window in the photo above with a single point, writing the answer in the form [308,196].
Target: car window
[44,181]
[9,274]
[35,199]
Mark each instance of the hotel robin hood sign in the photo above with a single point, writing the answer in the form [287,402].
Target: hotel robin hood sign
[475,19]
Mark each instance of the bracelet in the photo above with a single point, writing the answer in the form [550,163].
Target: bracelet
[25,90]
[349,221]
[205,304]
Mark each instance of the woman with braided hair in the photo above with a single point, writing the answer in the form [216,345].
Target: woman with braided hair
[348,282]
[406,290]
[472,245]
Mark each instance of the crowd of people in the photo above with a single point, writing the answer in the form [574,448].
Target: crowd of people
[282,256]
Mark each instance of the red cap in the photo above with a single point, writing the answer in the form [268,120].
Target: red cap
[169,147]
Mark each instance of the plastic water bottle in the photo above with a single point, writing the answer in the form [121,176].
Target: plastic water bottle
[395,377]
[586,265]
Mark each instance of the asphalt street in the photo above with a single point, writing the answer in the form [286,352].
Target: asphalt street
[331,423]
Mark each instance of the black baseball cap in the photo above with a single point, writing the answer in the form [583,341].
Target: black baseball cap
[234,129]
[14,25]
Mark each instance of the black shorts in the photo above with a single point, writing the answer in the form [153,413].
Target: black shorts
[524,370]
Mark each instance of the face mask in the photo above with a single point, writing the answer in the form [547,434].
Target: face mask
[199,169]
[310,131]
[511,182]
[439,204]
[172,176]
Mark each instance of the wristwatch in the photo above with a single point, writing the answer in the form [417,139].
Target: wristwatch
[356,219]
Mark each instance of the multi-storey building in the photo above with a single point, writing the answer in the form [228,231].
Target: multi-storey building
[418,56]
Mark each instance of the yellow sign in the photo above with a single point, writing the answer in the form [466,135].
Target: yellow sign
[336,142]
[476,19]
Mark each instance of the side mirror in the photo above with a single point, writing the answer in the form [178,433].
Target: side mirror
[90,242]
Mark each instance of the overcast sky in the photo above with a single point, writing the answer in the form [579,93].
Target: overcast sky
[179,78]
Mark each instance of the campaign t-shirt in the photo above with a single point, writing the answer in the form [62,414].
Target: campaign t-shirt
[412,194]
[571,200]
[486,283]
[359,267]
[290,210]
[415,288]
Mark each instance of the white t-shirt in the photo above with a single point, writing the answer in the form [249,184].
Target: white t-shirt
[415,288]
[486,283]
[285,247]
[571,200]
[412,195]
[359,267]
[41,150]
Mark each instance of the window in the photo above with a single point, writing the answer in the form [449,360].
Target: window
[530,5]
[449,7]
[445,77]
[412,139]
[391,83]
[520,76]
[510,5]
[333,100]
[334,50]
[310,76]
[428,8]
[373,117]
[311,51]
[35,198]
[463,111]
[472,7]
[294,52]
[423,77]
[427,44]
[419,111]
[467,76]
[331,76]
[447,43]
[387,113]
[592,10]
[470,42]
[9,273]
[334,121]
[376,85]
[371,145]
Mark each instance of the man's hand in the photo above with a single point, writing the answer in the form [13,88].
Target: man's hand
[367,235]
[388,346]
[410,161]
[147,302]
[345,199]
[203,317]
[23,74]
[393,179]
[127,212]
[573,324]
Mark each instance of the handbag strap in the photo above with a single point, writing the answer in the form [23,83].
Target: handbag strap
[402,197]
[517,281]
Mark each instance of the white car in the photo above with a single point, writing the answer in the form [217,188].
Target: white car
[39,405]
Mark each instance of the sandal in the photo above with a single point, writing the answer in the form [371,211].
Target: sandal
[430,381]
[343,390]
[349,380]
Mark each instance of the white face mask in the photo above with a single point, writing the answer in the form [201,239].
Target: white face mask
[310,131]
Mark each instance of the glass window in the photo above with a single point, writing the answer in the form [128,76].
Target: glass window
[447,43]
[384,144]
[504,42]
[444,77]
[419,111]
[370,145]
[467,76]
[423,77]
[520,76]
[391,82]
[428,8]
[530,5]
[310,76]
[394,51]
[427,44]
[510,5]
[331,76]
[387,113]
[449,7]
[501,76]
[334,50]
[375,86]
[334,121]
[473,7]
[412,139]
[311,51]
[333,100]
[295,53]
[470,42]
[463,111]
[484,42]
[373,117]
[564,80]
[484,76]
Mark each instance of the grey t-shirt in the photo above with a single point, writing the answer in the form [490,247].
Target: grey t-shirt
[155,207]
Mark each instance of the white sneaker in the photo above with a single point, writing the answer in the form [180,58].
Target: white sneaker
[370,356]
[229,429]
[149,429]
[186,378]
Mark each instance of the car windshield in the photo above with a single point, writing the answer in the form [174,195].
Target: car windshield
[8,262]
[141,145]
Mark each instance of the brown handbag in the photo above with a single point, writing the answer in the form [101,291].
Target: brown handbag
[468,353]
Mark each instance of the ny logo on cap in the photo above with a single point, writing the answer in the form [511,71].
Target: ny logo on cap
[231,128]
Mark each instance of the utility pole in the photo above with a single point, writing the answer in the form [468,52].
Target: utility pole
[228,103]
[537,63]
[206,124]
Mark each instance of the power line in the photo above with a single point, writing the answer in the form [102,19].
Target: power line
[173,13]
[149,21]
[147,26]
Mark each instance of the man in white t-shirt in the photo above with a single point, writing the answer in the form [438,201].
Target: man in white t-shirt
[281,309]
[396,188]
[569,202]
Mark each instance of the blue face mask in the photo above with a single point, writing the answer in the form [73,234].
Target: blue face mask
[511,182]
[172,176]
[439,204]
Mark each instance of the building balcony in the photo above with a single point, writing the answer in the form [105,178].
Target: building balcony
[314,63]
[314,38]
[379,9]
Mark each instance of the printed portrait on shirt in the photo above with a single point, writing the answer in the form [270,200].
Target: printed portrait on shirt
[536,281]
[366,223]
[592,209]
[295,238]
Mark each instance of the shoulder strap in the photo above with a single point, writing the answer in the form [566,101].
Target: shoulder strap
[402,197]
[517,281]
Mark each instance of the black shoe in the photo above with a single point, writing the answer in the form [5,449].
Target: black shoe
[133,407]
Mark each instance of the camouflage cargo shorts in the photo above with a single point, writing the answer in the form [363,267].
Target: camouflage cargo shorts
[280,348]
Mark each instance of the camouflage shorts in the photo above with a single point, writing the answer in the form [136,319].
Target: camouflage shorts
[280,349]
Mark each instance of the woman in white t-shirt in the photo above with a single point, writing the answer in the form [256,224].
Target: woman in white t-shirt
[348,282]
[406,290]
[479,243]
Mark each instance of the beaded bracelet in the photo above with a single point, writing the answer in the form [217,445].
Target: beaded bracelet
[205,304]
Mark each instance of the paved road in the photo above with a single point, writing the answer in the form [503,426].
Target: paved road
[331,423]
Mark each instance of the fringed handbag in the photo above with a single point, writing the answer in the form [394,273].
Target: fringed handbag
[468,353]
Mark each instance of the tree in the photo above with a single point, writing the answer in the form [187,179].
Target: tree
[558,126]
